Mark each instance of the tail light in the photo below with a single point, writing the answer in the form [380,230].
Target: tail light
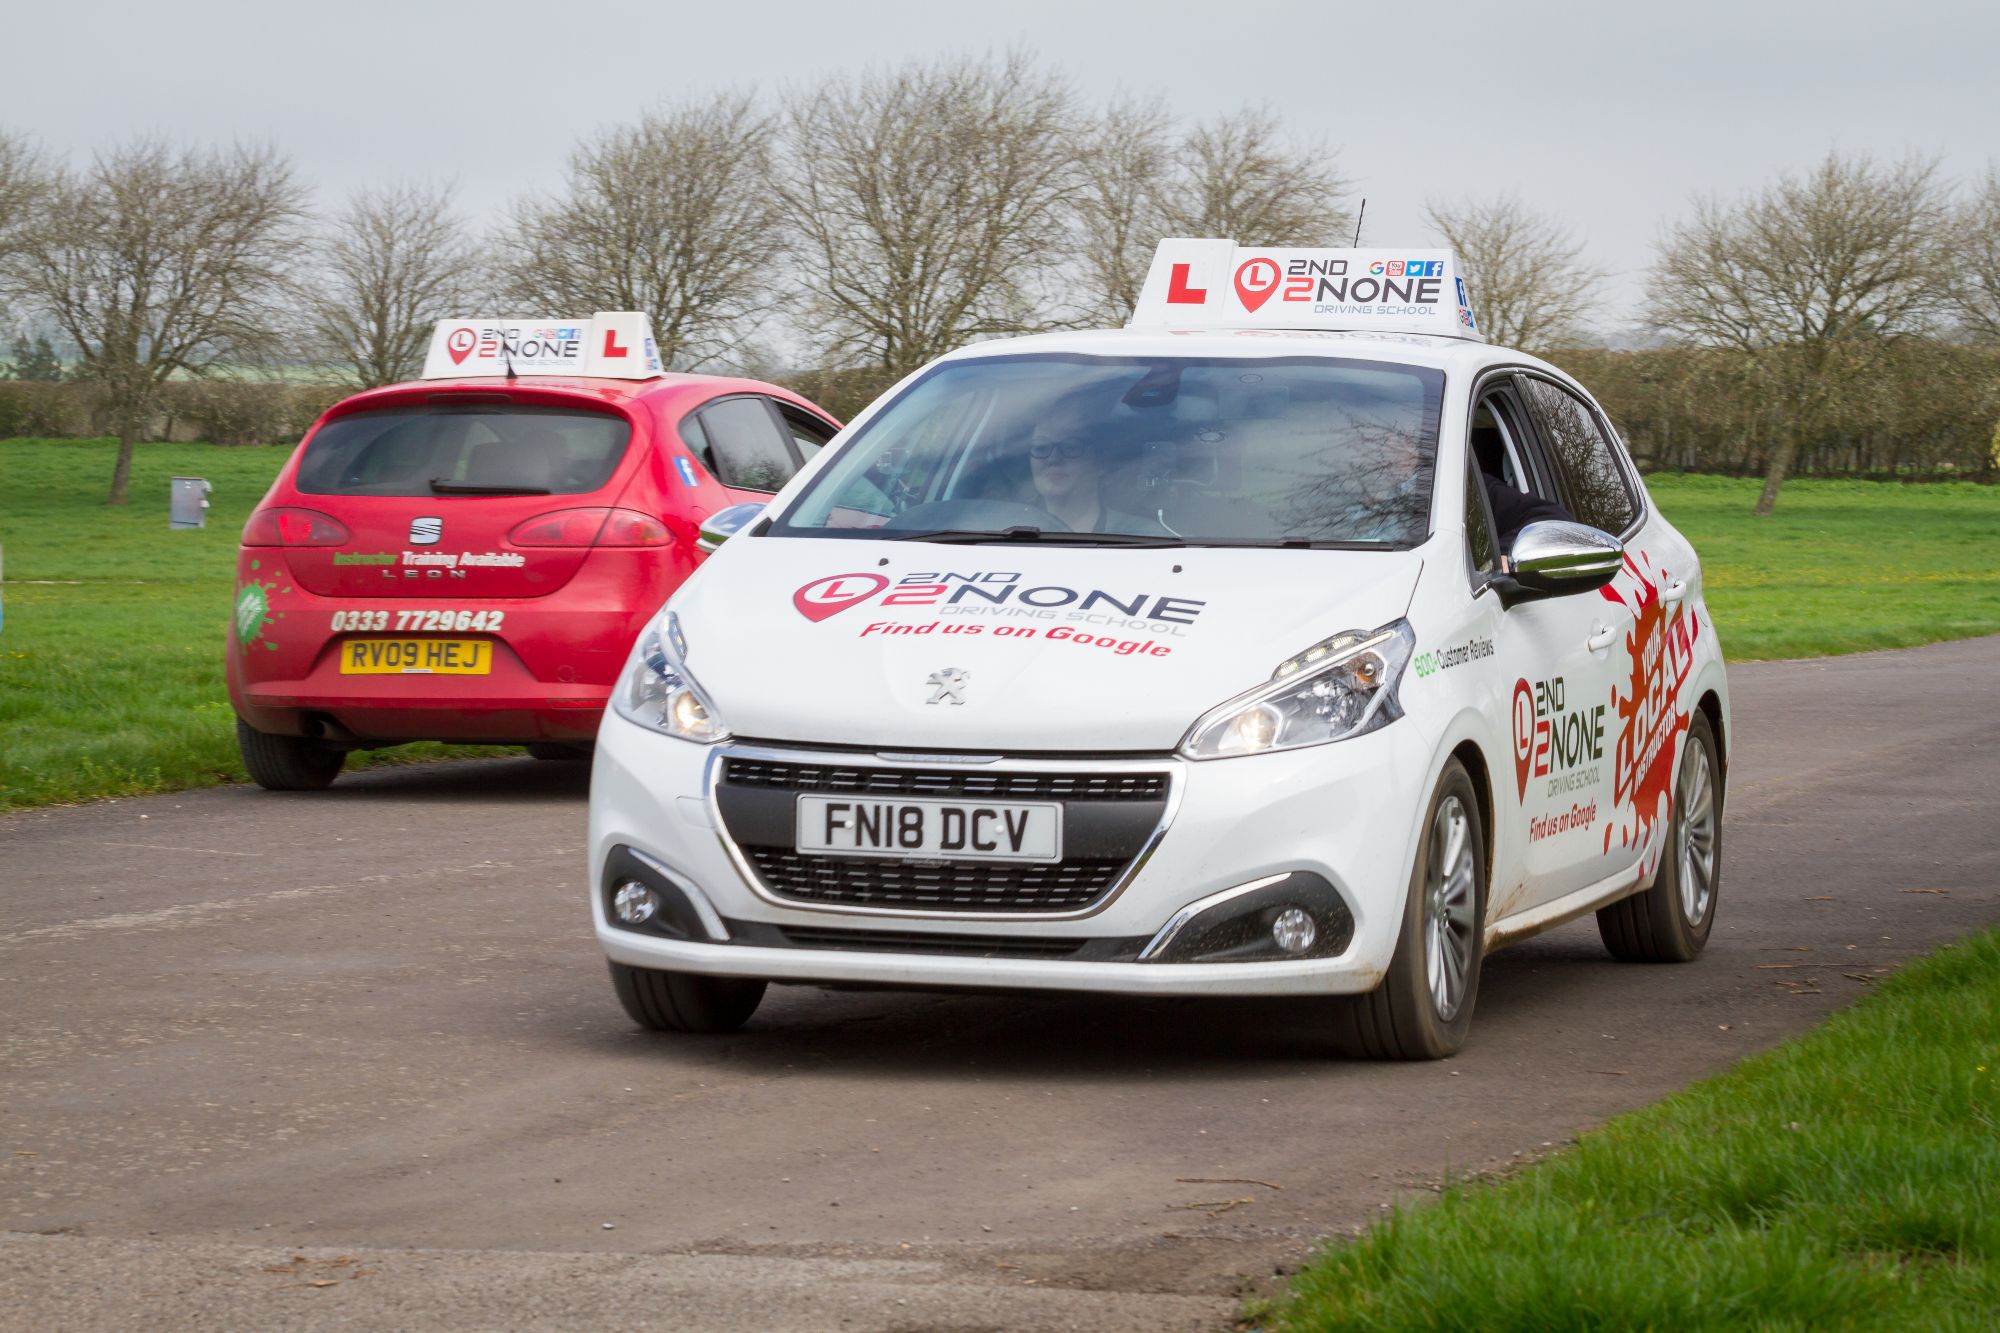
[591,527]
[294,527]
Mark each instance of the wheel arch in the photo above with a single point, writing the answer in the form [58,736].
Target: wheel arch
[1710,704]
[1468,753]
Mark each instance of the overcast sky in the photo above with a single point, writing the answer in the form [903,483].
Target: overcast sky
[1609,116]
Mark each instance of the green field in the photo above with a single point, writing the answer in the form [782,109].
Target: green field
[112,647]
[1842,566]
[1847,1180]
[111,656]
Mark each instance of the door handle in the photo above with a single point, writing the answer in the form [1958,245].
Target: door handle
[1674,592]
[1603,639]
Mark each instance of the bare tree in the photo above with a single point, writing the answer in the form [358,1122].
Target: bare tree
[160,262]
[1807,272]
[1235,176]
[1975,296]
[391,264]
[672,216]
[23,178]
[1123,157]
[1528,283]
[927,204]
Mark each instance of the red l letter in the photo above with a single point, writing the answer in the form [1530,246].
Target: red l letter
[611,347]
[1178,291]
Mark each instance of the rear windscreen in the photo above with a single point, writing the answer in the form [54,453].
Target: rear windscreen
[441,450]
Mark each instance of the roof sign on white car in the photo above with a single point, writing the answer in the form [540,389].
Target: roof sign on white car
[1215,284]
[614,344]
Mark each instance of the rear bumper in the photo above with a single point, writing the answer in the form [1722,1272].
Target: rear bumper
[552,670]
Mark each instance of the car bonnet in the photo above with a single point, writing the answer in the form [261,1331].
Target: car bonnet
[1008,648]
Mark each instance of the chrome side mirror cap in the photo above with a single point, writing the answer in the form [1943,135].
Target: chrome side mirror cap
[1552,558]
[723,524]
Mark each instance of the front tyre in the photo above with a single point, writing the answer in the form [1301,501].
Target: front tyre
[1669,923]
[684,1002]
[287,763]
[1423,1007]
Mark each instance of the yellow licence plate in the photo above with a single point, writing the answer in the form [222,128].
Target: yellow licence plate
[416,657]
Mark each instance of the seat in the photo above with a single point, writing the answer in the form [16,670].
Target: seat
[513,463]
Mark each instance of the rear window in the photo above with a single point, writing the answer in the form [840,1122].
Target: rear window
[442,450]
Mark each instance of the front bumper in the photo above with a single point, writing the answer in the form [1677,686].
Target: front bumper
[1345,814]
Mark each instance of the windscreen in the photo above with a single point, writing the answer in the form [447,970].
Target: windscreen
[1225,451]
[467,450]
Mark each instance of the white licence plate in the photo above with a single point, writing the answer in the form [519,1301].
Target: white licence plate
[955,830]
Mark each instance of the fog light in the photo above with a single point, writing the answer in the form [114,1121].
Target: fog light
[636,904]
[1294,931]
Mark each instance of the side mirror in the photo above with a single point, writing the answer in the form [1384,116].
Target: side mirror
[723,524]
[1555,559]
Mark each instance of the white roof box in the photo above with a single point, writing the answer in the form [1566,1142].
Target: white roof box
[613,344]
[1213,284]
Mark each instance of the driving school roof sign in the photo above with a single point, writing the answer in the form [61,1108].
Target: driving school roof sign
[1214,284]
[615,344]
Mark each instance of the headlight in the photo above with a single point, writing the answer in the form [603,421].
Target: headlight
[1340,687]
[658,692]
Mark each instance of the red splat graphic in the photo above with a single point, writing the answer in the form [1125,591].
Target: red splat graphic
[1256,279]
[836,592]
[1661,649]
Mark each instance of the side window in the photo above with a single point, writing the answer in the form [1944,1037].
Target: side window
[809,433]
[1478,532]
[1585,458]
[745,447]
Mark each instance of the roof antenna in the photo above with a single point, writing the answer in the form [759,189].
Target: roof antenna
[507,358]
[1357,221]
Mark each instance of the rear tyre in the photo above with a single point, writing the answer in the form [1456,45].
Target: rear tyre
[684,1002]
[1669,923]
[558,753]
[287,763]
[1423,1007]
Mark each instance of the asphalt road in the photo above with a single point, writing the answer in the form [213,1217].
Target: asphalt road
[352,1059]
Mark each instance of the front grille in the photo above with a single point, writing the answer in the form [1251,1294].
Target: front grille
[776,776]
[957,946]
[937,886]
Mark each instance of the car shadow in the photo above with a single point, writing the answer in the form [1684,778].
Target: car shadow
[504,778]
[1084,1038]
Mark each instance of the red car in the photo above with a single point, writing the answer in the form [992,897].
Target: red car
[470,559]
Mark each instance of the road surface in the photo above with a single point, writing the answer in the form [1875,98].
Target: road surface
[352,1059]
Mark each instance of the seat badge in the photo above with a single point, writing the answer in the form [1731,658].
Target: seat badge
[426,531]
[947,686]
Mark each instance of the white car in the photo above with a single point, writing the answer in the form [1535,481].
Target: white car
[1194,658]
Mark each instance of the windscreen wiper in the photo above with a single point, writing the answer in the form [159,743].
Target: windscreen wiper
[442,486]
[1025,533]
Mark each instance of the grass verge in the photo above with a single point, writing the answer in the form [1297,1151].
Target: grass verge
[111,657]
[1847,1180]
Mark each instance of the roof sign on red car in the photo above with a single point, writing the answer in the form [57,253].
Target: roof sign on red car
[1216,284]
[614,344]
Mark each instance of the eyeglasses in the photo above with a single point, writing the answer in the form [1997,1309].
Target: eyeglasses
[1044,450]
